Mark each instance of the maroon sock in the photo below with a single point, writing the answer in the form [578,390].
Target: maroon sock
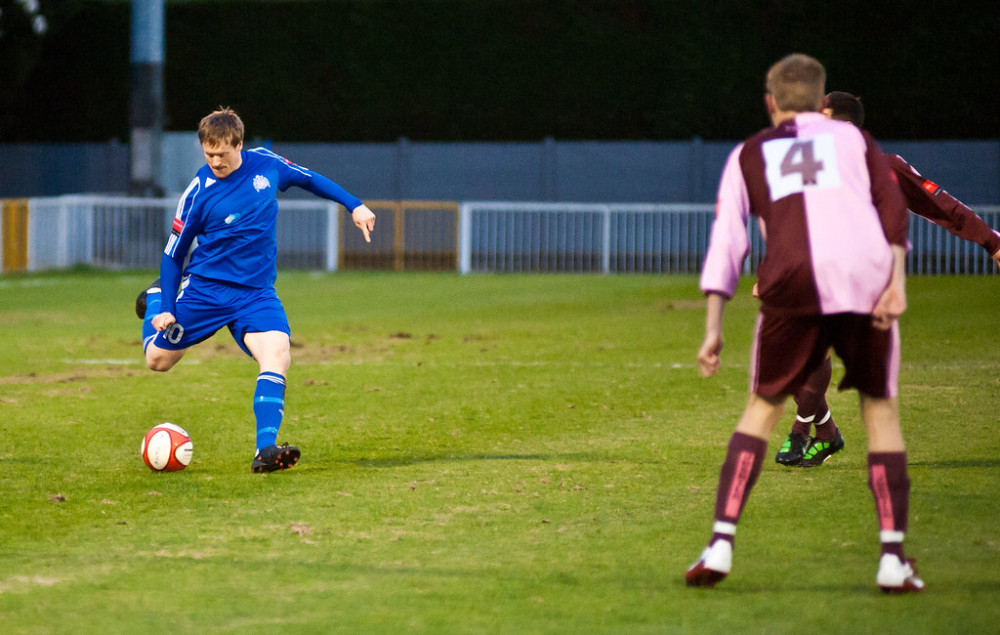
[742,466]
[895,548]
[825,431]
[802,427]
[890,485]
[810,400]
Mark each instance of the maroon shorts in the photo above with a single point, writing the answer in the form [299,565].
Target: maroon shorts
[788,348]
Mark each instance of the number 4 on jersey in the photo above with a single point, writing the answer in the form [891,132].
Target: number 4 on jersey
[796,165]
[801,159]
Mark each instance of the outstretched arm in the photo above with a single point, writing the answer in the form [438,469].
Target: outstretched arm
[926,198]
[364,219]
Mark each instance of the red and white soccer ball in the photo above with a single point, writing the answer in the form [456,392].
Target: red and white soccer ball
[167,448]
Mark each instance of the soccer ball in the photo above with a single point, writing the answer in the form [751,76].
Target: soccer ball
[166,448]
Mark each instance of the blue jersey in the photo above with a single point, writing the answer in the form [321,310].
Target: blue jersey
[224,229]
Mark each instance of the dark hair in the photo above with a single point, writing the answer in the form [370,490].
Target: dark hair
[846,107]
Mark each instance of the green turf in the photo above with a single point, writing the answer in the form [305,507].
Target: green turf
[481,454]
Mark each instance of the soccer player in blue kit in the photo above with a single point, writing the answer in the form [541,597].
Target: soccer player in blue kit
[220,264]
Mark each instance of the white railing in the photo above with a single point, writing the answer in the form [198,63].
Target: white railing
[621,238]
[487,237]
[935,251]
[120,232]
[568,237]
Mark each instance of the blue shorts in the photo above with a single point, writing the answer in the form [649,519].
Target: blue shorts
[205,306]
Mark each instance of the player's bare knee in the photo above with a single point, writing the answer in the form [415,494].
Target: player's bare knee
[276,363]
[157,360]
[158,364]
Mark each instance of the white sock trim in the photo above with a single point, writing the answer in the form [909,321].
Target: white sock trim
[825,419]
[721,527]
[890,536]
[805,419]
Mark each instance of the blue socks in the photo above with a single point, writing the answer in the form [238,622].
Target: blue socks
[268,407]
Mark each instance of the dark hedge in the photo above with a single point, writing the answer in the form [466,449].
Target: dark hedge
[453,70]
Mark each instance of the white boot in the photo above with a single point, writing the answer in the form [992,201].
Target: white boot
[896,576]
[714,564]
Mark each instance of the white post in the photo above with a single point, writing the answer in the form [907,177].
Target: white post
[332,236]
[606,242]
[465,238]
[86,229]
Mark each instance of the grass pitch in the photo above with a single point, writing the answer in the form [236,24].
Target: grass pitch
[481,454]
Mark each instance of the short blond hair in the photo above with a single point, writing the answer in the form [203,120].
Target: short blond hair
[221,126]
[797,82]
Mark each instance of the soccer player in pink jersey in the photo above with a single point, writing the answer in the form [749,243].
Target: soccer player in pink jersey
[833,276]
[924,198]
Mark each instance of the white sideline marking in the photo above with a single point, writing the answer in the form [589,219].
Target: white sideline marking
[99,361]
[35,282]
[116,362]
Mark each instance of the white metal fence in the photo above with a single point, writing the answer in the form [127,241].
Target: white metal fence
[619,238]
[118,232]
[935,251]
[486,237]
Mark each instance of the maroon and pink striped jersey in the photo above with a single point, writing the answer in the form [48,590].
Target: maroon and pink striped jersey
[828,207]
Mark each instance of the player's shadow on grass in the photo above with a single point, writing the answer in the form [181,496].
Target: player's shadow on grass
[958,463]
[416,459]
[398,461]
[732,587]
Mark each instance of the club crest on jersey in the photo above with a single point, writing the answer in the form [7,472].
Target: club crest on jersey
[260,182]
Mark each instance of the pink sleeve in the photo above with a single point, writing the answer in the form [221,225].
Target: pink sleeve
[729,243]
